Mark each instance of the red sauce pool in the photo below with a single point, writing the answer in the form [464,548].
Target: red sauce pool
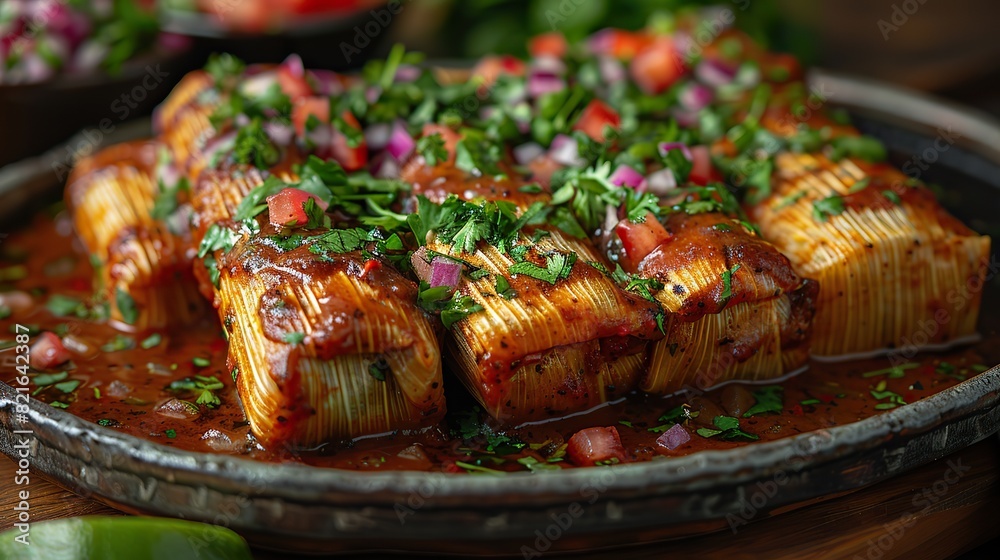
[121,389]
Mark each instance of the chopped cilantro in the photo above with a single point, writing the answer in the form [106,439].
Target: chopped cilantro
[431,147]
[728,428]
[151,341]
[126,306]
[768,399]
[503,288]
[827,207]
[293,337]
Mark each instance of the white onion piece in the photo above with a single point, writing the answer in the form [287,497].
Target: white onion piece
[279,133]
[547,64]
[258,84]
[661,182]
[377,135]
[17,301]
[611,69]
[176,408]
[610,218]
[565,151]
[528,152]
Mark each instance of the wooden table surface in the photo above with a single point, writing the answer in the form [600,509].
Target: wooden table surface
[871,524]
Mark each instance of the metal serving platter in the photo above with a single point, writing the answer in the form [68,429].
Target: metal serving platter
[306,509]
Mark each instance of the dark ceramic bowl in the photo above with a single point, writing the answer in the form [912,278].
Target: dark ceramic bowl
[299,508]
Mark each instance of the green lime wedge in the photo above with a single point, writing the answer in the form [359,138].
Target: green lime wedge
[113,538]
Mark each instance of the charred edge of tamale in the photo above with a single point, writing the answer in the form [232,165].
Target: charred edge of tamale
[737,309]
[890,260]
[145,268]
[553,349]
[324,349]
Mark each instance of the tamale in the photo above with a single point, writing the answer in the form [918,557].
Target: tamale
[896,270]
[145,263]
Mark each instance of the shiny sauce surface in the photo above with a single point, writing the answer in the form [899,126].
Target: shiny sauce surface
[147,384]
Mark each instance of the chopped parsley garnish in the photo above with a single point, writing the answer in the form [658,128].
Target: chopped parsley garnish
[151,341]
[118,343]
[171,433]
[198,361]
[126,306]
[63,306]
[379,369]
[892,197]
[894,372]
[469,427]
[824,208]
[861,147]
[254,146]
[769,399]
[166,201]
[452,307]
[478,155]
[293,337]
[727,284]
[503,288]
[727,428]
[558,266]
[676,415]
[431,147]
[202,386]
[224,69]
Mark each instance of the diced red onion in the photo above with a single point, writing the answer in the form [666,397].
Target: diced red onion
[377,135]
[528,152]
[624,175]
[406,73]
[241,120]
[421,265]
[602,41]
[325,82]
[372,94]
[279,133]
[294,66]
[401,144]
[384,166]
[445,272]
[685,117]
[174,41]
[667,146]
[79,346]
[118,389]
[541,83]
[565,151]
[695,97]
[714,72]
[611,69]
[548,65]
[219,144]
[35,68]
[660,182]
[487,112]
[675,437]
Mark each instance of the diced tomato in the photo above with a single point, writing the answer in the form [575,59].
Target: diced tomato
[490,67]
[351,159]
[548,44]
[48,351]
[639,240]
[657,67]
[595,117]
[703,172]
[287,207]
[781,67]
[370,265]
[319,107]
[594,445]
[295,87]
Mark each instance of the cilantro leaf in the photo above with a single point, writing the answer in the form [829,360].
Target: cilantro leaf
[769,399]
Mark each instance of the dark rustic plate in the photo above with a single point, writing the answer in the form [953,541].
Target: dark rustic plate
[300,508]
